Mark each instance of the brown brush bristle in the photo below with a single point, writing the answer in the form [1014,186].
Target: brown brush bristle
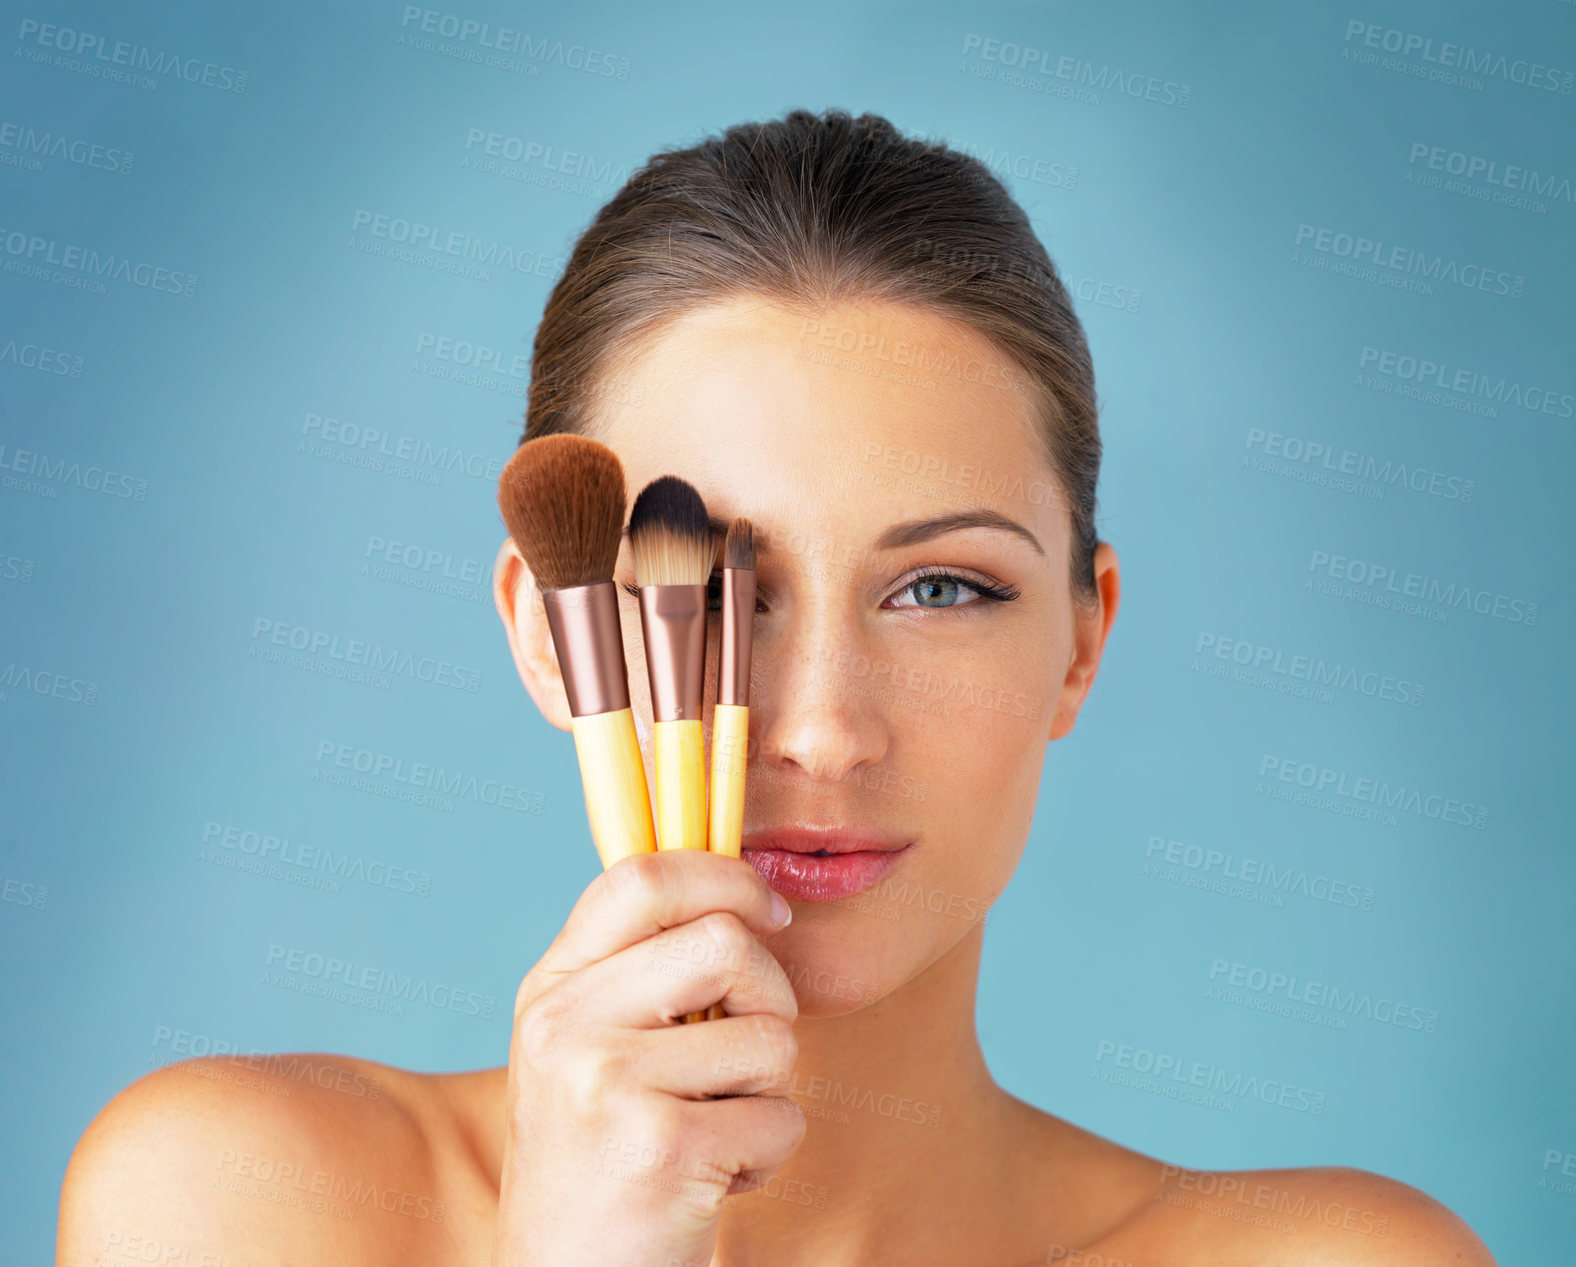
[669,534]
[739,551]
[562,498]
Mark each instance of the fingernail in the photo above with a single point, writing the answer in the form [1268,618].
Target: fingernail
[782,913]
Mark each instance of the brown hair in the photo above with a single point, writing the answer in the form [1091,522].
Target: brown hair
[808,210]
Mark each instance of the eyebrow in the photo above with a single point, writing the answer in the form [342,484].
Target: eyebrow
[917,530]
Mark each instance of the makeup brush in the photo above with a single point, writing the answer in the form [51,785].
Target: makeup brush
[671,543]
[562,498]
[730,717]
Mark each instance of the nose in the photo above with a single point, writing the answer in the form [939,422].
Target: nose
[818,718]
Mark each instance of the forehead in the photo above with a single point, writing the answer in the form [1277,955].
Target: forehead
[848,419]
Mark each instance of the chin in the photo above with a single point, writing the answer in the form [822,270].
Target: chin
[841,958]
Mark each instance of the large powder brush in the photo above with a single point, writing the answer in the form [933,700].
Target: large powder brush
[563,498]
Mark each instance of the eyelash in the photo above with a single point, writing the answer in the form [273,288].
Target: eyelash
[989,591]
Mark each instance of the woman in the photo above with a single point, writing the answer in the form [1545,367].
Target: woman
[855,340]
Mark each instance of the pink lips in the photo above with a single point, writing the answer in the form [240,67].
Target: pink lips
[790,861]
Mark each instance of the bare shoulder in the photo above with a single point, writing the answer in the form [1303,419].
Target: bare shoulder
[1318,1216]
[280,1158]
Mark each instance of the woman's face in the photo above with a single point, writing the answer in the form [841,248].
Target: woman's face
[879,701]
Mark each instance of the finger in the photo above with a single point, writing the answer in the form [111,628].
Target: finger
[740,1141]
[645,893]
[736,1056]
[678,971]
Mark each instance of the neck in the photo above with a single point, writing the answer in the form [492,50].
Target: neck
[911,1151]
[902,1120]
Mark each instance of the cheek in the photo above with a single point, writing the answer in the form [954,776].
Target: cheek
[982,769]
[980,755]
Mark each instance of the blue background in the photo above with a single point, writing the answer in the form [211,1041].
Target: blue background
[1210,323]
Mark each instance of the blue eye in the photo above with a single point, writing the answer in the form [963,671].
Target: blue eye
[942,590]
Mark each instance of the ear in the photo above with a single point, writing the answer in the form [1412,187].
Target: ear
[1091,625]
[519,604]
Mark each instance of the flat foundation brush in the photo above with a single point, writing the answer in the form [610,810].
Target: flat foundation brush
[671,544]
[562,498]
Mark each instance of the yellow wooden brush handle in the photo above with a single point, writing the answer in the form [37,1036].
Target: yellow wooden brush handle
[730,728]
[681,790]
[613,776]
[681,784]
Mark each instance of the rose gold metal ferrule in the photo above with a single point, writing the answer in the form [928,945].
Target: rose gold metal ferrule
[590,645]
[673,621]
[738,618]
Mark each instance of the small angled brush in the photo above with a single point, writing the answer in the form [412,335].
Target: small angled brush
[730,717]
[671,544]
[562,498]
